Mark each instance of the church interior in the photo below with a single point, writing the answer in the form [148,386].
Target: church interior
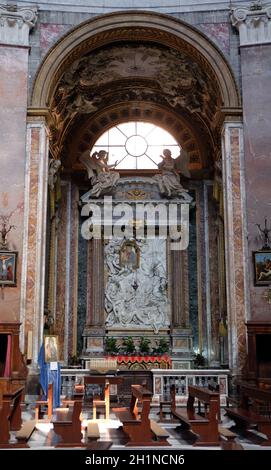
[135,227]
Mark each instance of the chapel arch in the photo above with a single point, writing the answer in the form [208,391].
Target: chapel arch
[202,124]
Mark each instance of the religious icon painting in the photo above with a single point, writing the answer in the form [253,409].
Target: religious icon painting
[8,268]
[51,348]
[130,255]
[262,267]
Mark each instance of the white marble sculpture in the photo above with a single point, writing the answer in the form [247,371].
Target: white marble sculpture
[54,168]
[168,181]
[103,180]
[137,297]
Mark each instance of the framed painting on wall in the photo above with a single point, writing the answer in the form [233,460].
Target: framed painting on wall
[8,268]
[262,267]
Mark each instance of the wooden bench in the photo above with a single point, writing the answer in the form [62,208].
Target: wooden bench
[67,425]
[10,414]
[229,442]
[40,405]
[204,424]
[26,431]
[160,433]
[93,434]
[93,431]
[137,424]
[254,409]
[98,404]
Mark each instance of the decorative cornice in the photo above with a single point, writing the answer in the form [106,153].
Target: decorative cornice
[253,24]
[15,24]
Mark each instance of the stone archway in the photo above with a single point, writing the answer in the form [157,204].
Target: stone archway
[124,26]
[159,31]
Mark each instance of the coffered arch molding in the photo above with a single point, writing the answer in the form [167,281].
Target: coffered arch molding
[83,134]
[127,26]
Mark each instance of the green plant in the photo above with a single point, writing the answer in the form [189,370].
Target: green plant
[111,345]
[162,347]
[73,360]
[129,345]
[144,345]
[199,360]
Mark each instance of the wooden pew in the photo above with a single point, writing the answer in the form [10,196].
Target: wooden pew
[254,409]
[41,404]
[204,424]
[67,425]
[229,442]
[10,414]
[93,434]
[137,424]
[160,433]
[24,434]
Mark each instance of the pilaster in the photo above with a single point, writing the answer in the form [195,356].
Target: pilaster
[235,239]
[15,24]
[33,257]
[253,24]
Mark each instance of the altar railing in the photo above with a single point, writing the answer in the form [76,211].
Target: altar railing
[214,379]
[70,378]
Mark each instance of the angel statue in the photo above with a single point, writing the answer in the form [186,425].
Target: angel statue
[168,181]
[102,179]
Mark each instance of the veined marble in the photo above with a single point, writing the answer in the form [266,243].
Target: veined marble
[137,296]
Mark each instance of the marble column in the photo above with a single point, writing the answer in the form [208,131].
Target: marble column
[254,26]
[181,332]
[34,243]
[15,25]
[95,307]
[94,329]
[235,243]
[180,289]
[66,275]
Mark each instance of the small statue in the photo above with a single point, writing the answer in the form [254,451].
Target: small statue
[54,166]
[264,232]
[103,180]
[168,181]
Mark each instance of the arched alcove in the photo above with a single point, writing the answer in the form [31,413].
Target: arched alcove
[77,91]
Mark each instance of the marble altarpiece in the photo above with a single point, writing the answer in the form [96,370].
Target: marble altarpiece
[134,279]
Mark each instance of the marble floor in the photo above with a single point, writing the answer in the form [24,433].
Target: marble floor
[44,437]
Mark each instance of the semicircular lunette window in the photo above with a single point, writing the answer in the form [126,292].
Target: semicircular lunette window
[136,145]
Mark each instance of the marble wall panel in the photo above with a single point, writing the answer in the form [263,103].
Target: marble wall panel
[61,269]
[13,93]
[214,276]
[218,33]
[49,34]
[256,79]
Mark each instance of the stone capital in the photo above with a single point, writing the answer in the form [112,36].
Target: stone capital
[253,24]
[15,24]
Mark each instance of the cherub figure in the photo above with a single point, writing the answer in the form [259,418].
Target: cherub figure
[102,178]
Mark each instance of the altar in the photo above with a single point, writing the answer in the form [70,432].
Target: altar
[137,362]
[134,277]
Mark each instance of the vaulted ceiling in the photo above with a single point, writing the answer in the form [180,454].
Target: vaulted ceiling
[136,81]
